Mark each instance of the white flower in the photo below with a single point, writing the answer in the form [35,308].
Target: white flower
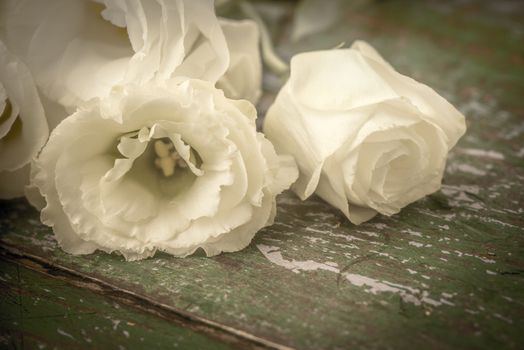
[169,168]
[80,49]
[366,138]
[23,126]
[243,79]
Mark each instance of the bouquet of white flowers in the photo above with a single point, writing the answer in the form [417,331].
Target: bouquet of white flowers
[131,126]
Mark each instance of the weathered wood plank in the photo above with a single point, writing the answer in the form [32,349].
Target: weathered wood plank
[40,312]
[445,273]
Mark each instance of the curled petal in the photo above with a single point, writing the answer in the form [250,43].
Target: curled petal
[365,138]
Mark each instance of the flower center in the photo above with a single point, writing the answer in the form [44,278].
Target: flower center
[167,158]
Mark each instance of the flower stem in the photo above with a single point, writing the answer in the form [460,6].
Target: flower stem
[271,59]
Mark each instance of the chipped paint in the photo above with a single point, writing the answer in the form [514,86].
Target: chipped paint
[477,152]
[413,233]
[273,254]
[408,294]
[64,333]
[466,168]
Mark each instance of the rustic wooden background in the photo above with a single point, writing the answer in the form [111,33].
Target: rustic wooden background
[447,272]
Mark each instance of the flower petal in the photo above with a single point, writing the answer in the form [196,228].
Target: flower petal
[365,138]
[23,126]
[243,79]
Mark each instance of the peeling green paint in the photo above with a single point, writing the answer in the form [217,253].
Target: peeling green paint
[45,313]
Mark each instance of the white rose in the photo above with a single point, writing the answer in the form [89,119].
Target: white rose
[366,138]
[243,79]
[149,168]
[81,49]
[23,126]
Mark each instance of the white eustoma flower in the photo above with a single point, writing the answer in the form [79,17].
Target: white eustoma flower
[23,126]
[172,168]
[80,49]
[243,79]
[366,138]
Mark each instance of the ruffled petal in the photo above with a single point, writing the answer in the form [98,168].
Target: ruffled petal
[101,45]
[97,173]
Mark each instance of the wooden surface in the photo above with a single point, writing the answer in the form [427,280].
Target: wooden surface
[39,312]
[447,272]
